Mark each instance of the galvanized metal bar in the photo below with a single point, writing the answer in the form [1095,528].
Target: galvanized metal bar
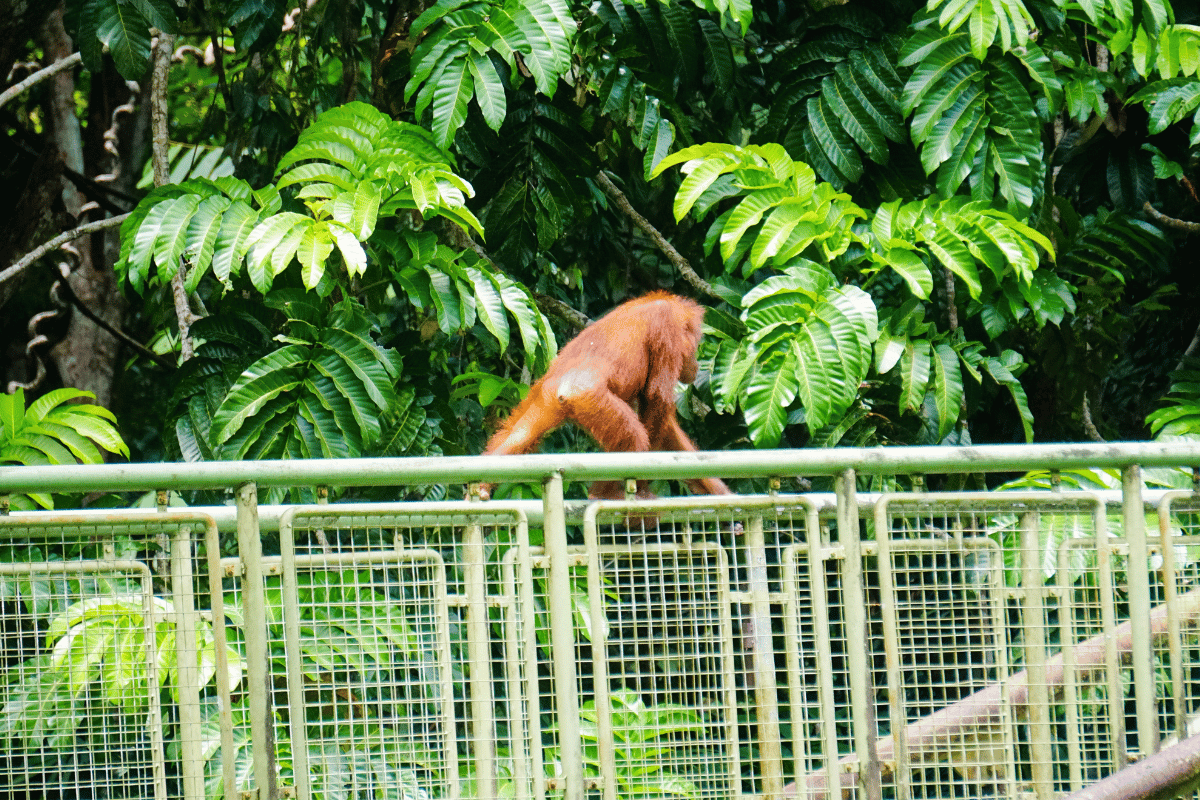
[187,669]
[518,708]
[216,593]
[562,639]
[606,742]
[593,466]
[268,515]
[1033,593]
[532,677]
[258,667]
[898,717]
[1108,622]
[766,697]
[858,637]
[154,715]
[1134,519]
[293,660]
[479,654]
[1166,547]
[1066,635]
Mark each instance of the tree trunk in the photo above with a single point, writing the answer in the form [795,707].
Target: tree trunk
[86,357]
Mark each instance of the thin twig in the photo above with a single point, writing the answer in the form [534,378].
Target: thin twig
[39,76]
[59,241]
[65,289]
[1171,222]
[673,255]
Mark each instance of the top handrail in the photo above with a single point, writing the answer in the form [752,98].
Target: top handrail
[595,466]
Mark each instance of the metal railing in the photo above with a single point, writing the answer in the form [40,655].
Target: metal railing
[903,644]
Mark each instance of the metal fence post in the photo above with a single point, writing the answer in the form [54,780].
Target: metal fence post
[562,637]
[258,672]
[1134,514]
[479,653]
[187,671]
[1033,611]
[766,691]
[858,635]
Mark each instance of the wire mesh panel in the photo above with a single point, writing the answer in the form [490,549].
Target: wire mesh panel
[391,633]
[1175,621]
[691,688]
[109,673]
[816,643]
[991,608]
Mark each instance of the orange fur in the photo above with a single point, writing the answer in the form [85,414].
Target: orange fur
[634,354]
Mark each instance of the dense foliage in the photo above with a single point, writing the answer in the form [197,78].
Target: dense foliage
[912,223]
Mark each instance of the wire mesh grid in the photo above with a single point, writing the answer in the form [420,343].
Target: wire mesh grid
[992,608]
[104,658]
[1177,643]
[394,634]
[815,640]
[688,601]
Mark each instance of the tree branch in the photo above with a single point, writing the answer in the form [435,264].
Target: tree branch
[58,241]
[986,708]
[159,155]
[39,76]
[1170,222]
[1088,426]
[563,311]
[673,255]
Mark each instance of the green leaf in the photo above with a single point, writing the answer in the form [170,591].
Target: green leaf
[910,267]
[202,234]
[914,374]
[452,91]
[313,250]
[947,388]
[264,380]
[233,240]
[771,389]
[352,252]
[489,90]
[126,33]
[358,210]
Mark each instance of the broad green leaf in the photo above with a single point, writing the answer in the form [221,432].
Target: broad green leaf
[352,252]
[914,374]
[910,267]
[489,91]
[771,389]
[126,34]
[358,210]
[264,380]
[312,252]
[947,388]
[748,212]
[233,240]
[202,235]
[490,305]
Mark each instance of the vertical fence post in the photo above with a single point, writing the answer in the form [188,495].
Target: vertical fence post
[858,635]
[1134,513]
[293,661]
[187,671]
[562,637]
[479,653]
[766,696]
[1033,618]
[258,672]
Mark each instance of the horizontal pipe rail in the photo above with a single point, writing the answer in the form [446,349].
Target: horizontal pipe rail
[595,466]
